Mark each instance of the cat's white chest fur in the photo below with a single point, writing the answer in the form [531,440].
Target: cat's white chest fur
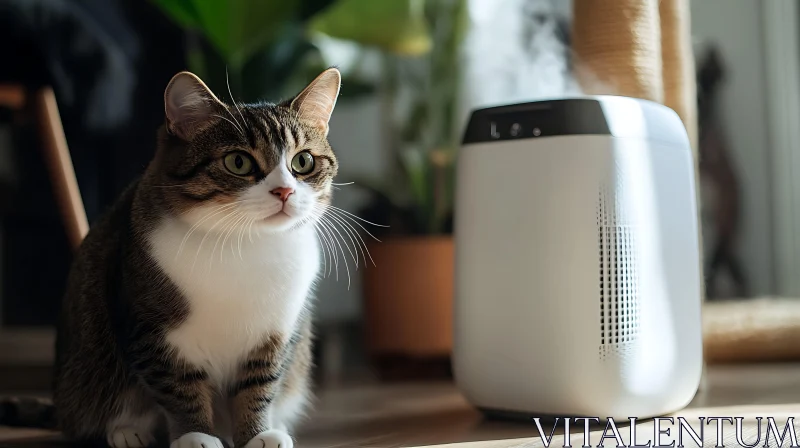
[238,293]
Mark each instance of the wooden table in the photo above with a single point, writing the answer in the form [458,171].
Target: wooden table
[409,415]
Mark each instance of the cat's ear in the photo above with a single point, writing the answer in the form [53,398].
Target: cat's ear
[316,102]
[189,105]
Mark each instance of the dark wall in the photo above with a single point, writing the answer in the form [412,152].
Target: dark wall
[108,62]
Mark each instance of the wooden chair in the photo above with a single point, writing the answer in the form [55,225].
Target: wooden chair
[26,354]
[42,103]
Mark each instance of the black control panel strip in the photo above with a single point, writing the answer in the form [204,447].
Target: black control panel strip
[537,119]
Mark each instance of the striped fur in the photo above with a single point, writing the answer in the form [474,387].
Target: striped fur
[150,351]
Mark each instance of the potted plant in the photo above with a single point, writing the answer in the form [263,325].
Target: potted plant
[256,50]
[408,288]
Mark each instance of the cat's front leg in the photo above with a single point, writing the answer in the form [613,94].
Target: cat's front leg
[186,395]
[253,395]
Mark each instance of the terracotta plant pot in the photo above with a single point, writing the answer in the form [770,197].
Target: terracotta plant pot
[408,301]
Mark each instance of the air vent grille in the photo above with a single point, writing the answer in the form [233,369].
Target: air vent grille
[618,278]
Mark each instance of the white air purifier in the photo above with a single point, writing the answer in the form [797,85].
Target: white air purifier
[578,287]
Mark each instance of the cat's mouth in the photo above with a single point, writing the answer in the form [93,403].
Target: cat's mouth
[287,214]
[279,216]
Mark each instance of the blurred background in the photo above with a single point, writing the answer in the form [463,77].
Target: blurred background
[413,70]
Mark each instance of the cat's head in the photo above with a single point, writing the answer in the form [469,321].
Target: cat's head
[267,166]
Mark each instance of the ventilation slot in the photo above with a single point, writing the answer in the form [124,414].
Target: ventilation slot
[618,279]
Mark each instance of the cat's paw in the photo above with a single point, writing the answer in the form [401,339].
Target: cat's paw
[197,440]
[129,438]
[271,439]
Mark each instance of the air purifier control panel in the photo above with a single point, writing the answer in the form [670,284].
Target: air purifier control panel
[545,119]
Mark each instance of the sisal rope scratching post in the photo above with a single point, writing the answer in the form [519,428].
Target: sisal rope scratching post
[680,83]
[678,71]
[640,49]
[618,47]
[760,330]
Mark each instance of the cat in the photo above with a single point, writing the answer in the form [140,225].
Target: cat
[187,311]
[720,179]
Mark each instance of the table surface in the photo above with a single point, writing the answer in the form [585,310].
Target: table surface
[424,414]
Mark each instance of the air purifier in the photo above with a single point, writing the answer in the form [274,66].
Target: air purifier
[577,260]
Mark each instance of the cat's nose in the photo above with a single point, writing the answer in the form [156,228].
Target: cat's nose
[283,192]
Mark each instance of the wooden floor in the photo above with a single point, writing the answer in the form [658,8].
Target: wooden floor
[408,415]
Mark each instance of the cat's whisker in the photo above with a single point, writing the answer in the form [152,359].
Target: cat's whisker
[232,228]
[332,243]
[341,238]
[230,218]
[208,216]
[232,124]
[335,211]
[331,246]
[311,219]
[238,125]
[330,259]
[200,247]
[322,247]
[227,81]
[342,184]
[228,232]
[338,243]
[227,221]
[333,207]
[241,236]
[323,235]
[240,226]
[237,225]
[318,212]
[363,245]
[347,232]
[303,221]
[347,216]
[338,212]
[354,251]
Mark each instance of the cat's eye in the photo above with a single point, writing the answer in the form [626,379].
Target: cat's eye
[303,163]
[239,163]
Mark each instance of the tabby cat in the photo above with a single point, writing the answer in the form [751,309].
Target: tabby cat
[186,317]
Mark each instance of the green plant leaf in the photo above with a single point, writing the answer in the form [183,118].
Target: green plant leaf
[239,28]
[415,166]
[397,26]
[413,127]
[235,28]
[276,72]
[310,8]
